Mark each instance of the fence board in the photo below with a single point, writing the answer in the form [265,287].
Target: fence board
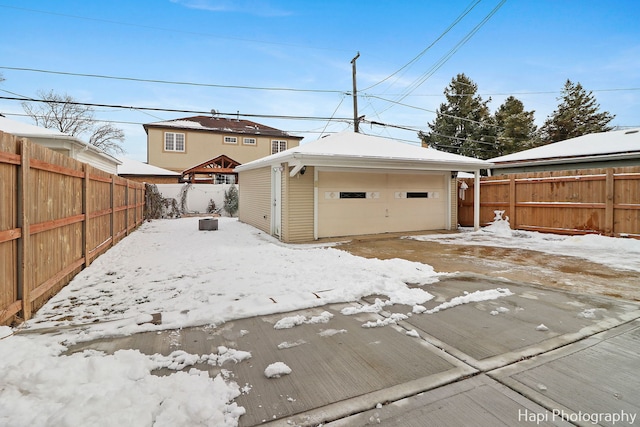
[603,201]
[56,215]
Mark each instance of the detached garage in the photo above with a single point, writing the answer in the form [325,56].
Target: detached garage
[352,184]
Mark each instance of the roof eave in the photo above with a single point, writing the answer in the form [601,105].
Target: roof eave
[566,160]
[363,162]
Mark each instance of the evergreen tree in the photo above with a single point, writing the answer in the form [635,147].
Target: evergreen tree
[578,114]
[464,124]
[516,127]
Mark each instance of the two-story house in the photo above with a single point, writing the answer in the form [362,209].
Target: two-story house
[181,144]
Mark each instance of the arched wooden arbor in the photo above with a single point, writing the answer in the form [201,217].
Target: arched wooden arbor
[214,171]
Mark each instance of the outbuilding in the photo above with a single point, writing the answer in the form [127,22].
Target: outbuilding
[351,184]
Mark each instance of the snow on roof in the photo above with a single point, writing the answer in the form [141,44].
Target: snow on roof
[26,130]
[362,148]
[134,167]
[594,144]
[180,124]
[221,124]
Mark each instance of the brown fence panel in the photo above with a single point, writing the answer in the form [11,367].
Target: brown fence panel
[603,201]
[56,215]
[10,232]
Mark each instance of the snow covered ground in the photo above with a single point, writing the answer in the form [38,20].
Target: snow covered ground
[169,269]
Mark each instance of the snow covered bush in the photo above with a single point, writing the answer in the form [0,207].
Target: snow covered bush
[231,200]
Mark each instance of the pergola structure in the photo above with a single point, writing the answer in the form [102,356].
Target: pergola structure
[214,171]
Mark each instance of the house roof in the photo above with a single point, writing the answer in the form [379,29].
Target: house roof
[134,167]
[350,149]
[619,144]
[26,130]
[221,125]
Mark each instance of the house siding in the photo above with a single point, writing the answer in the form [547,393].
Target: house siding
[297,207]
[201,146]
[255,198]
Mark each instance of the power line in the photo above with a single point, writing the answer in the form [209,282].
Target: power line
[421,54]
[134,79]
[171,110]
[417,83]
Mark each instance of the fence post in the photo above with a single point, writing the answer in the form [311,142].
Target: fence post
[126,211]
[609,199]
[85,224]
[24,201]
[512,202]
[113,210]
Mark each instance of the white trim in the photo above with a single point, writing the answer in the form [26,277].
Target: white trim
[449,201]
[476,201]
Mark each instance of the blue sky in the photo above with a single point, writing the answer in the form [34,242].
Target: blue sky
[227,53]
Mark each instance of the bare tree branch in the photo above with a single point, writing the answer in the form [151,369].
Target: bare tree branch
[62,113]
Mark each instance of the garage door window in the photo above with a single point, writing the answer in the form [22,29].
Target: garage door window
[417,195]
[353,195]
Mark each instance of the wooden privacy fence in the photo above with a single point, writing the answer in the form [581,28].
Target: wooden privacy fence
[56,215]
[602,201]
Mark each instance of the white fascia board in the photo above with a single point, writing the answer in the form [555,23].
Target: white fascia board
[384,163]
[298,160]
[567,160]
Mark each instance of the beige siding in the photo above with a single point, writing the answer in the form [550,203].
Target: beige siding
[386,207]
[255,198]
[202,146]
[297,207]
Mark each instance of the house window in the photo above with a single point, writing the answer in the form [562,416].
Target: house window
[278,146]
[173,141]
[230,140]
[249,141]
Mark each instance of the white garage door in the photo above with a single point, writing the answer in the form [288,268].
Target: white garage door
[353,203]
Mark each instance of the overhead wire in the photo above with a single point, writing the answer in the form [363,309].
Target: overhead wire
[134,79]
[424,51]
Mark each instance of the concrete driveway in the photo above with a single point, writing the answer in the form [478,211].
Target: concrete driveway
[484,363]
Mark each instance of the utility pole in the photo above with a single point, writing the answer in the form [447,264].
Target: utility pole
[356,128]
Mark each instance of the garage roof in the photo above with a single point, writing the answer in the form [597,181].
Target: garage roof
[350,149]
[614,145]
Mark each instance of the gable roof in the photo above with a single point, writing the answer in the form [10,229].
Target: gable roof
[619,144]
[351,149]
[220,125]
[219,164]
[134,167]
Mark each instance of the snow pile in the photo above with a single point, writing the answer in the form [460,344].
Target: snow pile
[614,252]
[331,332]
[5,331]
[276,370]
[291,321]
[41,387]
[254,275]
[500,226]
[286,344]
[391,320]
[476,296]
